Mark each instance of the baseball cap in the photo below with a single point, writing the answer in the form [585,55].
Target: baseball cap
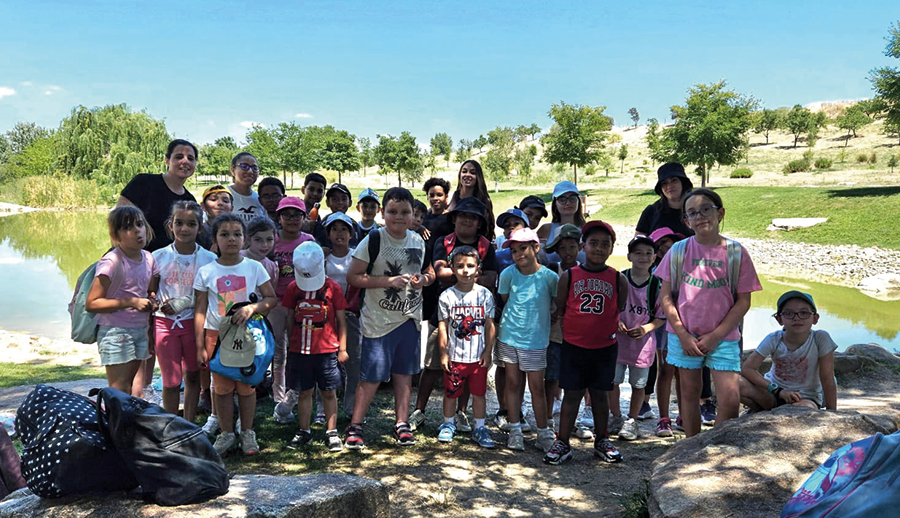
[523,235]
[309,266]
[366,194]
[512,213]
[471,205]
[338,216]
[662,232]
[794,294]
[291,202]
[672,170]
[534,202]
[591,225]
[338,187]
[640,239]
[237,346]
[564,187]
[567,231]
[213,189]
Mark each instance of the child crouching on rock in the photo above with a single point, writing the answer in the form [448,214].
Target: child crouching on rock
[802,370]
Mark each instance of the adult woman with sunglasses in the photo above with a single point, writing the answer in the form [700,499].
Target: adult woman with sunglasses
[245,171]
[565,208]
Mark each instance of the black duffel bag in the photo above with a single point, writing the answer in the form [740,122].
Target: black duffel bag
[65,452]
[171,458]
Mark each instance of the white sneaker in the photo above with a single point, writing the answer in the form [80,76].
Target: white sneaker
[587,417]
[224,442]
[462,422]
[614,425]
[416,419]
[583,433]
[212,425]
[557,407]
[526,427]
[248,443]
[630,430]
[282,417]
[545,440]
[515,441]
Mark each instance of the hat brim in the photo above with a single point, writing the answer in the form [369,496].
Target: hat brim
[313,283]
[501,219]
[686,184]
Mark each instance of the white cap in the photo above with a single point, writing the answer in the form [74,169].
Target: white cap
[309,266]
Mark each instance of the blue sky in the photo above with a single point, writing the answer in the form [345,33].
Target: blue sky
[211,68]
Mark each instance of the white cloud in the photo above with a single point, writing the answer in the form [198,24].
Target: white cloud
[52,89]
[249,124]
[6,91]
[303,116]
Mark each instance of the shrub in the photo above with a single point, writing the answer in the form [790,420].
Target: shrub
[742,172]
[872,158]
[796,166]
[862,158]
[65,192]
[823,163]
[808,155]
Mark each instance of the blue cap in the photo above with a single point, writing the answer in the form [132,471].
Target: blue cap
[368,193]
[564,187]
[339,216]
[794,294]
[512,213]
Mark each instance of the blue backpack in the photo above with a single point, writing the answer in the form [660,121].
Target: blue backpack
[254,373]
[84,323]
[859,479]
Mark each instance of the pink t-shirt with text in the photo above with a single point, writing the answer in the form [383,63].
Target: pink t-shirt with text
[133,281]
[704,295]
[641,351]
[284,258]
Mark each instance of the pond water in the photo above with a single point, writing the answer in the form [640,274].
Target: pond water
[43,253]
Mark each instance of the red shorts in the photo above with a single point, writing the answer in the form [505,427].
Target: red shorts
[460,374]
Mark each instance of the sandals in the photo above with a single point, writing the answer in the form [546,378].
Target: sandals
[354,440]
[403,434]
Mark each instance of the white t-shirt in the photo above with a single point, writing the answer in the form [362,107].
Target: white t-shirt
[176,276]
[797,370]
[385,309]
[336,268]
[465,313]
[228,285]
[247,207]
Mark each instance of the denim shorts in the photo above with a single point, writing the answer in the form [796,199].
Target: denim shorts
[725,357]
[637,376]
[305,371]
[397,352]
[119,345]
[551,373]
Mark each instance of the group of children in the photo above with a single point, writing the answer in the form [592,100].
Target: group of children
[345,301]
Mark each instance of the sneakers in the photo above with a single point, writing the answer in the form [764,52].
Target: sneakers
[679,425]
[630,430]
[462,422]
[212,425]
[224,442]
[646,412]
[605,450]
[523,418]
[248,442]
[280,416]
[515,441]
[403,434]
[482,437]
[664,427]
[300,440]
[557,406]
[320,419]
[501,420]
[354,440]
[583,433]
[545,440]
[416,420]
[333,441]
[587,417]
[558,453]
[446,431]
[615,424]
[708,413]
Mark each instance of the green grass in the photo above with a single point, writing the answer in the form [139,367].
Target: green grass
[635,505]
[14,374]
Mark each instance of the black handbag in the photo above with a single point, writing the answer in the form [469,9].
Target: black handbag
[65,452]
[171,458]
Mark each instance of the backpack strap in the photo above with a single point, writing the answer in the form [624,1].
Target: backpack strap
[483,247]
[374,249]
[676,263]
[653,295]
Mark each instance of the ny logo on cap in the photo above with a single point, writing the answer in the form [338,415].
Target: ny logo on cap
[238,345]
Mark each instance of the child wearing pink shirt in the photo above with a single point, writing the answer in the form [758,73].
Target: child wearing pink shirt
[704,305]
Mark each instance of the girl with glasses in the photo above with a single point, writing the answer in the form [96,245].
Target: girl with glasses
[245,171]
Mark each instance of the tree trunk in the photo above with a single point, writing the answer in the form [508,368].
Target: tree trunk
[702,175]
[575,168]
[339,177]
[796,138]
[399,180]
[623,167]
[284,176]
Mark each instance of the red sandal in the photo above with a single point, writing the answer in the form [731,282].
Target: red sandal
[403,434]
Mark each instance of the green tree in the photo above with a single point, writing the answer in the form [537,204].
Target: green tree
[524,159]
[442,144]
[365,153]
[709,129]
[653,138]
[635,116]
[605,162]
[36,159]
[23,134]
[533,130]
[622,155]
[110,145]
[480,142]
[339,152]
[892,163]
[464,151]
[872,107]
[797,121]
[300,150]
[886,81]
[766,121]
[498,160]
[5,149]
[215,158]
[385,153]
[261,142]
[852,119]
[577,136]
[400,155]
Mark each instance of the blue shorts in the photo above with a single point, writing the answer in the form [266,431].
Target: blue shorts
[551,373]
[305,371]
[118,345]
[725,357]
[394,353]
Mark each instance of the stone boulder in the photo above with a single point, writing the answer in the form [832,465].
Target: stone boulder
[876,352]
[257,496]
[884,286]
[752,465]
[794,223]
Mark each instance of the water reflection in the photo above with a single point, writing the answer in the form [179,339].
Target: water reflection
[43,253]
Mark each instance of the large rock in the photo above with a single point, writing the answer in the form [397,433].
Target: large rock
[257,496]
[883,286]
[876,352]
[750,466]
[794,223]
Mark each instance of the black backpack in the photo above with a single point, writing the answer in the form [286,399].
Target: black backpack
[65,450]
[170,457]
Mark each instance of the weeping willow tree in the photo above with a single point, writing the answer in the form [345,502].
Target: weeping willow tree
[110,145]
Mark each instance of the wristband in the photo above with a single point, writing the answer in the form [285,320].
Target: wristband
[772,388]
[777,393]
